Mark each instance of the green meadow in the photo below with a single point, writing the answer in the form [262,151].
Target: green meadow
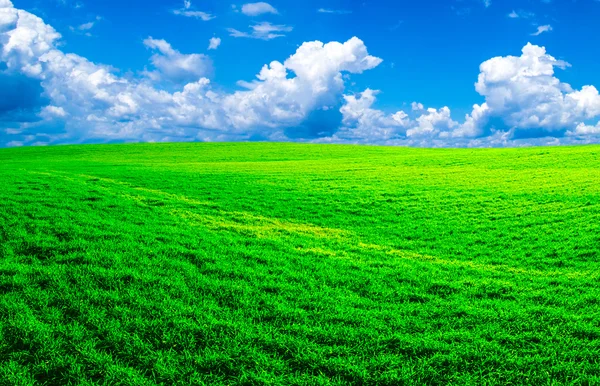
[293,264]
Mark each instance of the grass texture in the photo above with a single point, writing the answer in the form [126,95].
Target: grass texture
[290,264]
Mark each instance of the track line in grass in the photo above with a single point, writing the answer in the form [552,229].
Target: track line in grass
[274,228]
[481,267]
[239,220]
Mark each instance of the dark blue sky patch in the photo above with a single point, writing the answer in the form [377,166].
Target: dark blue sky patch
[318,124]
[20,98]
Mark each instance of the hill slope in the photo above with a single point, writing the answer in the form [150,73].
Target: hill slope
[299,264]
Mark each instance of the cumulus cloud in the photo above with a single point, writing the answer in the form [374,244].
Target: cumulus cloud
[262,31]
[583,130]
[526,95]
[255,9]
[214,43]
[361,120]
[174,66]
[417,106]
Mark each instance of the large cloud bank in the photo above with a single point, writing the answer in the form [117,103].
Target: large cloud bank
[82,101]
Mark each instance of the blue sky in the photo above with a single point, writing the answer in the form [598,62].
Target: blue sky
[411,83]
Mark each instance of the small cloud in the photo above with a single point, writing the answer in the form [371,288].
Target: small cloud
[188,12]
[334,11]
[214,43]
[396,26]
[85,27]
[487,3]
[195,14]
[462,11]
[417,106]
[521,14]
[541,29]
[255,9]
[262,31]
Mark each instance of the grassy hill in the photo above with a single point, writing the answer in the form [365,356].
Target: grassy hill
[288,264]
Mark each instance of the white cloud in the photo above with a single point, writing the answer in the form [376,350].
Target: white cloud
[487,3]
[541,29]
[432,123]
[175,66]
[334,11]
[86,26]
[255,9]
[417,106]
[521,14]
[188,12]
[214,43]
[525,94]
[195,14]
[263,31]
[583,130]
[360,120]
[53,111]
[276,99]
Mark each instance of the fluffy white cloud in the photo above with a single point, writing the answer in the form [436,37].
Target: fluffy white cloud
[277,99]
[214,43]
[360,120]
[263,31]
[432,123]
[474,122]
[583,130]
[255,9]
[525,94]
[417,106]
[175,66]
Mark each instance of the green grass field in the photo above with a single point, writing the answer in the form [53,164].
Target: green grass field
[289,264]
